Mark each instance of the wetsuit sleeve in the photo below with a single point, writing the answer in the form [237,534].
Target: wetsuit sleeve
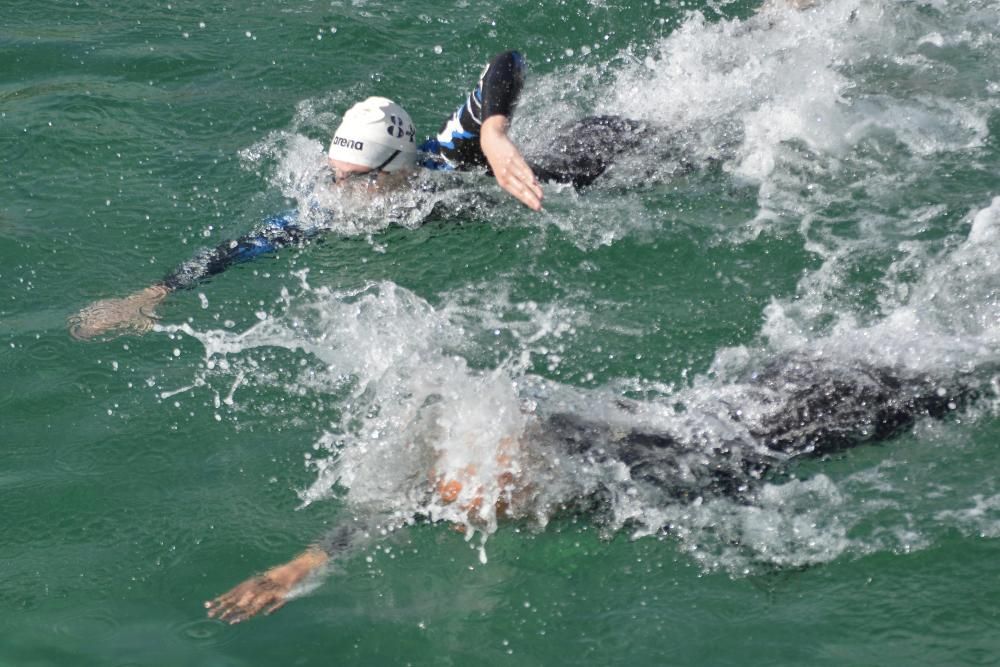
[584,150]
[355,533]
[456,145]
[277,232]
[341,539]
[500,86]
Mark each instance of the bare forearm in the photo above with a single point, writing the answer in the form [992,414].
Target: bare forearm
[300,567]
[269,591]
[495,125]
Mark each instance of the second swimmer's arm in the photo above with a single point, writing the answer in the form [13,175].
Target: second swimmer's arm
[266,592]
[269,591]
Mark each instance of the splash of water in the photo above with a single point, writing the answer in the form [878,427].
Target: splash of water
[413,413]
[839,116]
[795,104]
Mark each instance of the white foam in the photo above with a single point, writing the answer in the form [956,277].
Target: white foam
[810,107]
[410,405]
[949,318]
[981,518]
[411,411]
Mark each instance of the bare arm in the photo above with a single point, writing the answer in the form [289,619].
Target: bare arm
[269,591]
[266,592]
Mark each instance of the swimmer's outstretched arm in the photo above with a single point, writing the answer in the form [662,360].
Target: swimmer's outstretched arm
[271,590]
[136,313]
[267,592]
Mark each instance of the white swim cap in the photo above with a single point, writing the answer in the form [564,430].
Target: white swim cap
[376,133]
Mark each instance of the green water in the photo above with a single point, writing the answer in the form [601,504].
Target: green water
[839,168]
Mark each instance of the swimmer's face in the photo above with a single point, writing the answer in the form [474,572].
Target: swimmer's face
[360,176]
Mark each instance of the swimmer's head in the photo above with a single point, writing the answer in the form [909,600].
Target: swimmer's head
[375,135]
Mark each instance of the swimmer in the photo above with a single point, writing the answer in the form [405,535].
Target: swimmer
[374,149]
[803,406]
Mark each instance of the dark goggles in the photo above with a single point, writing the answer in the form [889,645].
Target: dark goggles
[372,174]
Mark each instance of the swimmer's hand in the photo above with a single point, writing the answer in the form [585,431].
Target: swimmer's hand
[115,317]
[511,171]
[266,592]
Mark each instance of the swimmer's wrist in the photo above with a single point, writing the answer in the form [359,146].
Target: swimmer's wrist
[297,569]
[495,125]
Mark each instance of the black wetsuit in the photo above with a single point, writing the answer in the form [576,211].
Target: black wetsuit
[580,154]
[813,407]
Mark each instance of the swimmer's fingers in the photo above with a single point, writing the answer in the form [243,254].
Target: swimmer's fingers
[511,171]
[517,178]
[234,610]
[226,605]
[80,329]
[275,606]
[115,317]
[260,593]
[109,316]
